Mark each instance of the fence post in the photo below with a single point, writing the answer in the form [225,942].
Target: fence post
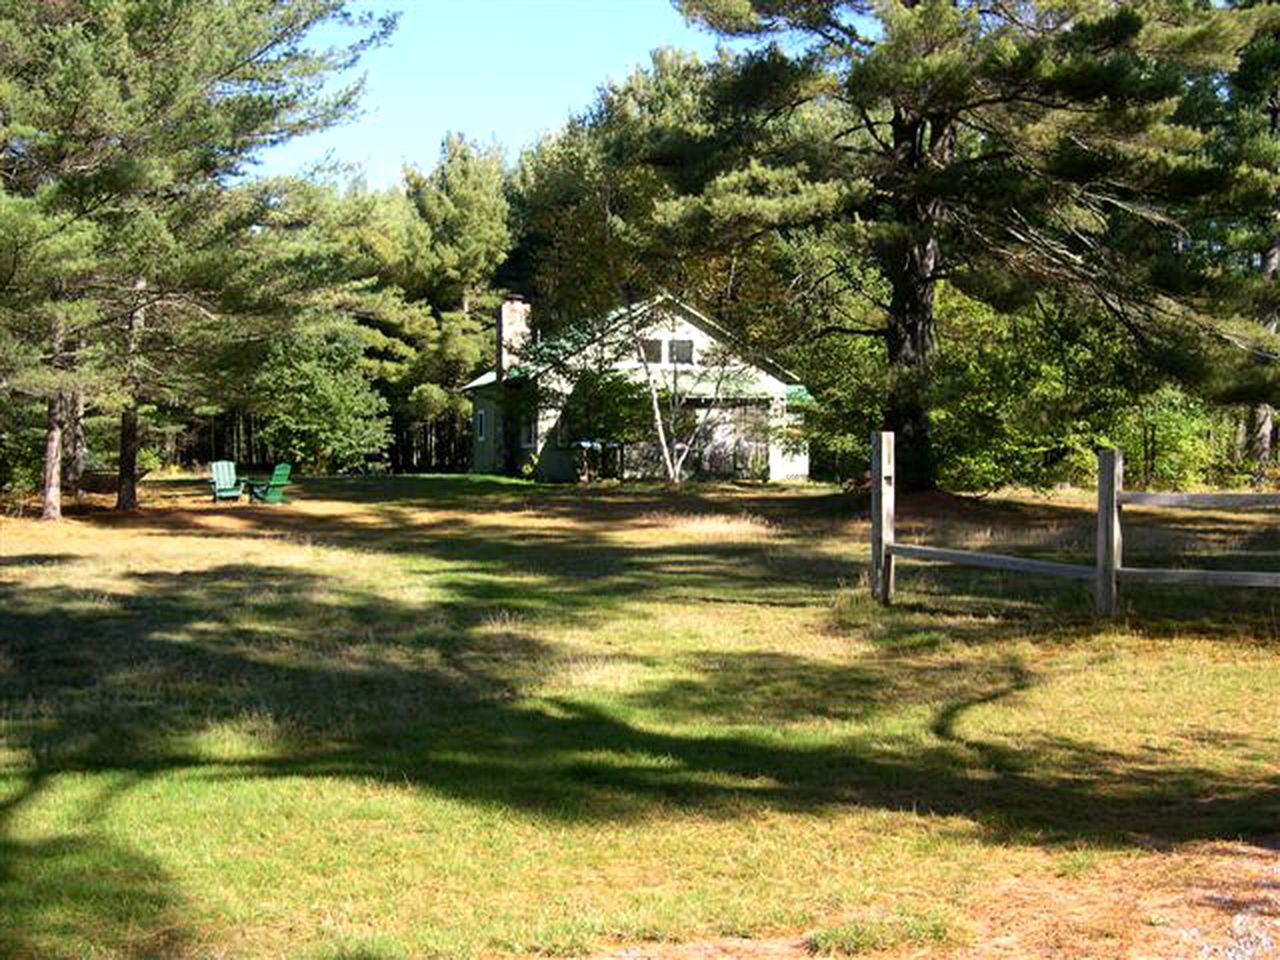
[882,503]
[1110,546]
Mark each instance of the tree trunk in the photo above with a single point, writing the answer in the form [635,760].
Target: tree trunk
[911,338]
[665,442]
[1260,429]
[51,488]
[127,480]
[51,496]
[659,425]
[1261,423]
[73,442]
[127,490]
[911,265]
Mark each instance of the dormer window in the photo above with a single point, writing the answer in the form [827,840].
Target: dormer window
[682,351]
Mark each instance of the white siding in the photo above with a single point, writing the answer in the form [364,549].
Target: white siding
[712,375]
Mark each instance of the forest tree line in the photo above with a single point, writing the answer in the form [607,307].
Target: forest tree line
[1011,234]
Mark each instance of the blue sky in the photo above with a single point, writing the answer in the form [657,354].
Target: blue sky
[496,70]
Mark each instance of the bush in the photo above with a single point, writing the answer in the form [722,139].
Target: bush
[317,408]
[21,450]
[1023,399]
[1171,440]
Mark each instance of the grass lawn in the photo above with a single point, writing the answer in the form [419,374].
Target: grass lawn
[464,718]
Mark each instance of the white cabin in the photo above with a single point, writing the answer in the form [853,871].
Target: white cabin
[739,414]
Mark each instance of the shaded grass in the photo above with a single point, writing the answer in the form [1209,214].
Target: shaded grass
[429,716]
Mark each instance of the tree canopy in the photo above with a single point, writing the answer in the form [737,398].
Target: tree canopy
[1006,149]
[121,123]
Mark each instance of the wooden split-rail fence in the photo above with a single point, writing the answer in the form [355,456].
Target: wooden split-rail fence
[1108,570]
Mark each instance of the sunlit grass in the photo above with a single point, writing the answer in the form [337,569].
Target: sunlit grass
[454,717]
[857,937]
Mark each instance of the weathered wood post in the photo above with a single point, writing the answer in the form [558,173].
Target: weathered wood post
[1110,547]
[882,503]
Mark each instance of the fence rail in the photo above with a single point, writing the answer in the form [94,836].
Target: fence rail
[1208,578]
[993,561]
[1203,501]
[1108,570]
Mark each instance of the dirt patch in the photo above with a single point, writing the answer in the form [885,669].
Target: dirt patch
[727,949]
[1210,901]
[1218,901]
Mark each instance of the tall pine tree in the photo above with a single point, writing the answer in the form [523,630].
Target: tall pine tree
[121,114]
[1003,147]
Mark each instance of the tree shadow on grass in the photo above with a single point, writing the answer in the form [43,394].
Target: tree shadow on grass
[437,696]
[60,897]
[461,532]
[37,559]
[123,683]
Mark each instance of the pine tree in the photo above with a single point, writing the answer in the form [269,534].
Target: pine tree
[1240,113]
[464,237]
[1006,148]
[122,114]
[462,203]
[415,268]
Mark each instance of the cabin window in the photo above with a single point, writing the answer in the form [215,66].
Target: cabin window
[529,431]
[682,351]
[651,350]
[480,425]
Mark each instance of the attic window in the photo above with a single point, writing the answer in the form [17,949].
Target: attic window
[651,350]
[682,351]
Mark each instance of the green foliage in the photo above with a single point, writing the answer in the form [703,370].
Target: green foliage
[787,213]
[1172,441]
[606,407]
[1047,150]
[415,268]
[597,202]
[21,449]
[802,299]
[149,460]
[1028,175]
[122,124]
[1023,398]
[462,206]
[314,412]
[428,401]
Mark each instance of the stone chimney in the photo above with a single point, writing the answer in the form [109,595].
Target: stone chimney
[513,332]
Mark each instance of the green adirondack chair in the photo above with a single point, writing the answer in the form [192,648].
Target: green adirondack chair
[271,491]
[223,482]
